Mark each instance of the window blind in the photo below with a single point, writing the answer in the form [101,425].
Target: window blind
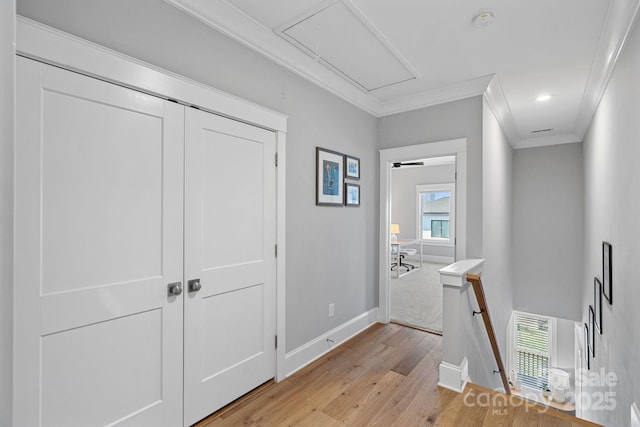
[532,349]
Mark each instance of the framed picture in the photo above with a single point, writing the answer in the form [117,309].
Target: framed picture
[351,167]
[607,271]
[592,329]
[329,178]
[351,194]
[587,349]
[597,303]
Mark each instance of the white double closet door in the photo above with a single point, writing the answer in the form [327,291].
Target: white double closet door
[119,197]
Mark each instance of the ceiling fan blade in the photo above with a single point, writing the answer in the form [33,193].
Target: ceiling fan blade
[400,164]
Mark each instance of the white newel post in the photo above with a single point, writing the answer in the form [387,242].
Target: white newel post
[456,323]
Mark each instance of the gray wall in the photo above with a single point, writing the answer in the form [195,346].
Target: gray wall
[459,119]
[489,209]
[404,202]
[331,252]
[548,203]
[497,202]
[7,55]
[612,213]
[565,345]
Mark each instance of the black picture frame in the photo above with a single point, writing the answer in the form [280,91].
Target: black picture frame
[592,336]
[351,167]
[587,350]
[329,177]
[597,304]
[607,271]
[351,195]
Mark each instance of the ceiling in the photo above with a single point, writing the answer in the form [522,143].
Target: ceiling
[388,56]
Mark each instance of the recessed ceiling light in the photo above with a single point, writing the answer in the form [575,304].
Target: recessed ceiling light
[543,98]
[484,19]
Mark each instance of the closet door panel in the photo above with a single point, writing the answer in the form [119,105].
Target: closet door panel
[230,247]
[99,196]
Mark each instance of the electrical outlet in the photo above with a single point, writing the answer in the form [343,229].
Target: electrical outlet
[332,309]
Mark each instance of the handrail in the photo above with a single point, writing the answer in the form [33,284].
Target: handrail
[484,310]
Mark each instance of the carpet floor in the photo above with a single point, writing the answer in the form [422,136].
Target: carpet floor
[416,299]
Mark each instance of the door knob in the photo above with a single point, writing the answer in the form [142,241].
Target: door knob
[175,289]
[194,285]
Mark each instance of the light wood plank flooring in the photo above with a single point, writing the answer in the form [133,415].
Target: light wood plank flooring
[385,376]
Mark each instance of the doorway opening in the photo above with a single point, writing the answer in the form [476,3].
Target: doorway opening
[423,217]
[413,209]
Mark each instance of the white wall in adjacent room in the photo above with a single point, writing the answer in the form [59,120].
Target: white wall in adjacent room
[404,208]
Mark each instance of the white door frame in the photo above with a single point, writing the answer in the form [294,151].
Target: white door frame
[456,147]
[48,45]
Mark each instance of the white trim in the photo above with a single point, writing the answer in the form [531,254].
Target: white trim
[451,93]
[542,141]
[236,24]
[497,102]
[454,377]
[457,147]
[37,41]
[55,47]
[615,33]
[635,415]
[438,259]
[281,260]
[318,347]
[455,275]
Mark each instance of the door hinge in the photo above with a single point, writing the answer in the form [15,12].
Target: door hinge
[276,159]
[276,250]
[276,337]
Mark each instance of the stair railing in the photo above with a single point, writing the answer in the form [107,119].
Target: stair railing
[475,281]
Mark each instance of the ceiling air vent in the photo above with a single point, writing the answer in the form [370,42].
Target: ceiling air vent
[542,130]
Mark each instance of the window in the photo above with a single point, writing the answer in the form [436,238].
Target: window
[436,213]
[532,349]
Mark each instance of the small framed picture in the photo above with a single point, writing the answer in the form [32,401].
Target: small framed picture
[607,271]
[592,329]
[351,167]
[597,303]
[351,194]
[329,178]
[587,349]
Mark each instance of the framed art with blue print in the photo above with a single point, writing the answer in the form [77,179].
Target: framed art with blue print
[329,178]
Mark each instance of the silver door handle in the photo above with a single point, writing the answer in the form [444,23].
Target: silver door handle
[175,289]
[194,285]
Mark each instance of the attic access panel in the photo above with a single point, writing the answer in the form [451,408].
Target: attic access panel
[339,39]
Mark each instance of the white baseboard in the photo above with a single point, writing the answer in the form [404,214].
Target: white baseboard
[438,259]
[432,258]
[454,377]
[307,353]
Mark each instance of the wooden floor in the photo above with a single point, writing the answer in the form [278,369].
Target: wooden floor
[386,376]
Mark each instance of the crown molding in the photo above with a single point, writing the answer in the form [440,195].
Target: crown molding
[234,23]
[542,141]
[240,27]
[494,95]
[455,92]
[621,17]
